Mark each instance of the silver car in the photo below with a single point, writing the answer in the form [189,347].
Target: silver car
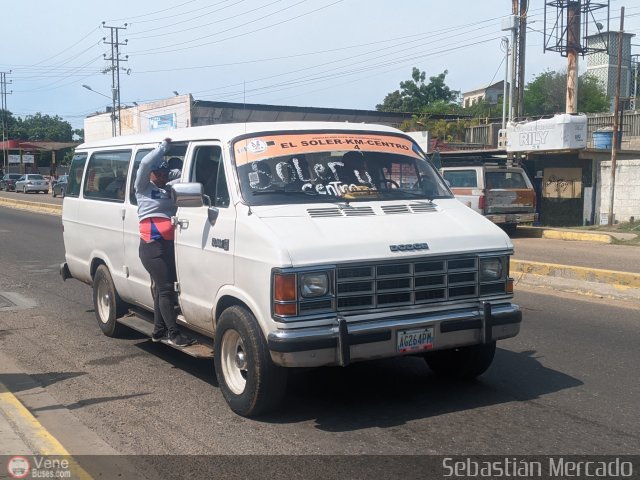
[32,183]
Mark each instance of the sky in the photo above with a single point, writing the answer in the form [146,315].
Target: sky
[311,53]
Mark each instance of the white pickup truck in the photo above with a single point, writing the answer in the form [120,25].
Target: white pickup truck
[503,194]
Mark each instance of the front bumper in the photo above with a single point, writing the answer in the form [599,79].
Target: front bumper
[34,188]
[344,342]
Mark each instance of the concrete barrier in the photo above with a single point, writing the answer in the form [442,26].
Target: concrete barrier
[48,208]
[587,281]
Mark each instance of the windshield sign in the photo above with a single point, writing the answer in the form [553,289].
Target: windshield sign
[326,167]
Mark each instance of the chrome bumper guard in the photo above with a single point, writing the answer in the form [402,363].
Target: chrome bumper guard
[341,336]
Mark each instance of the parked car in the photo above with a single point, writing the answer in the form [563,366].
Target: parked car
[503,194]
[32,182]
[60,186]
[8,182]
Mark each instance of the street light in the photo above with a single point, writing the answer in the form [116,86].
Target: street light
[113,113]
[89,88]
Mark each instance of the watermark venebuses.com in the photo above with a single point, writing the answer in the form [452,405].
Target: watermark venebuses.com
[38,467]
[514,467]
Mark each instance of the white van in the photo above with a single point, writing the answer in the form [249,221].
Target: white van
[298,244]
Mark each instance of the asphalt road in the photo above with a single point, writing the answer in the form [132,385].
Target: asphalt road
[566,385]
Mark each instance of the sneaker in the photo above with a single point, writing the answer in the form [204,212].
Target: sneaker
[180,340]
[158,337]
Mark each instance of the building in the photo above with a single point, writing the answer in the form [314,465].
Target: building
[491,94]
[603,65]
[183,111]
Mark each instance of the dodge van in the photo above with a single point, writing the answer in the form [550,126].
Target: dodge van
[298,244]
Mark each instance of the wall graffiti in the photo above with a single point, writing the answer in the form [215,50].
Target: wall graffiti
[562,183]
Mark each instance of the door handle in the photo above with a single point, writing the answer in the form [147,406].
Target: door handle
[183,224]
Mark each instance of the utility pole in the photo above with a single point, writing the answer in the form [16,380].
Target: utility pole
[116,127]
[505,93]
[513,96]
[522,47]
[5,126]
[573,48]
[616,105]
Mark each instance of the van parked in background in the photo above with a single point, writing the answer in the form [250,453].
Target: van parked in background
[298,244]
[504,195]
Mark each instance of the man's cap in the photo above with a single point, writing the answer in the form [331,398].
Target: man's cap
[162,166]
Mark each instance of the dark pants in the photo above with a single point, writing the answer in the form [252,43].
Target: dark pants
[158,258]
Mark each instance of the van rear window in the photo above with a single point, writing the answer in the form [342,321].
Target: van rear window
[461,178]
[505,180]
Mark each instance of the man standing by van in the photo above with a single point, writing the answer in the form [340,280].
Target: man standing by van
[155,209]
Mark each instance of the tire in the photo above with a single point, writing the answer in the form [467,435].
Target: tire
[107,303]
[53,192]
[24,190]
[510,228]
[250,382]
[464,363]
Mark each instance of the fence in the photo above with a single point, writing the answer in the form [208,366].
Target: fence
[630,125]
[486,135]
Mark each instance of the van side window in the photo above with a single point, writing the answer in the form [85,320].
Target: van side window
[106,177]
[136,164]
[209,171]
[75,174]
[461,178]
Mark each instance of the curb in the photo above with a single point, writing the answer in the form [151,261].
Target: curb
[50,209]
[587,281]
[541,232]
[577,236]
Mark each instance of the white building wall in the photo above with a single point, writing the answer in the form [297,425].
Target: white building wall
[165,114]
[626,202]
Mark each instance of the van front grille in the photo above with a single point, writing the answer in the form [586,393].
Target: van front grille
[405,283]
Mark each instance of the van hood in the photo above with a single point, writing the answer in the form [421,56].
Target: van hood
[379,231]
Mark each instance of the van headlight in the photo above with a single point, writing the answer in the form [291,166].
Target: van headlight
[491,269]
[314,284]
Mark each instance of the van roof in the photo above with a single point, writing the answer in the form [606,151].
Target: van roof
[227,131]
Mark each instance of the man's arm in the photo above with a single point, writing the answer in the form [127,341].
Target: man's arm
[150,161]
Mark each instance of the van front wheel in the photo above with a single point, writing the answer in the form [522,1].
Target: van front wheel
[107,303]
[250,382]
[463,363]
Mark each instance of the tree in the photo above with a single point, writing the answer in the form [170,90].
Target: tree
[415,95]
[546,94]
[40,127]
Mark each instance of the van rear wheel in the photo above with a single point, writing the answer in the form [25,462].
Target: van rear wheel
[463,363]
[250,382]
[107,303]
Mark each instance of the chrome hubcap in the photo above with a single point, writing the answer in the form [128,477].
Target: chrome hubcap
[104,302]
[234,362]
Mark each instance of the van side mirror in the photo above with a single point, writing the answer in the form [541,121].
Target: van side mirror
[187,194]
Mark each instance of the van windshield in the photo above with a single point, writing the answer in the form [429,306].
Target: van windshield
[305,167]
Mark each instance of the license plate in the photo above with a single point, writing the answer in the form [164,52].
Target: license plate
[415,340]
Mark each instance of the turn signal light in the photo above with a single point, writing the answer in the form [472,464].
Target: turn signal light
[509,285]
[284,287]
[285,309]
